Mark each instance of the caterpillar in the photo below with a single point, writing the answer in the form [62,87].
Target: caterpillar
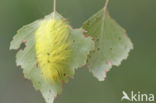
[53,48]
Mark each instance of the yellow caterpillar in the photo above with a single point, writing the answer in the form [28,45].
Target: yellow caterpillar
[53,48]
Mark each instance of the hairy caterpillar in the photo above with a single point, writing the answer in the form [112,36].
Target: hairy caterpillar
[53,48]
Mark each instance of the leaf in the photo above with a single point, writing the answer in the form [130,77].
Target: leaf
[26,58]
[112,43]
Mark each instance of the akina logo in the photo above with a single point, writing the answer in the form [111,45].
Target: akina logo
[137,97]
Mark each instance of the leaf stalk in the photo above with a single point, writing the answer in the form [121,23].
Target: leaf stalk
[54,6]
[106,5]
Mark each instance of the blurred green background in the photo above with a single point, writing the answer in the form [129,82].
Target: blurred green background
[137,73]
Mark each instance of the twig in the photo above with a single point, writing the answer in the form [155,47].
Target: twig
[106,5]
[54,6]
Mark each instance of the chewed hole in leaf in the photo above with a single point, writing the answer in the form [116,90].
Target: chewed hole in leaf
[23,45]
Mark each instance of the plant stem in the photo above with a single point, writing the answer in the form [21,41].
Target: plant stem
[106,5]
[54,6]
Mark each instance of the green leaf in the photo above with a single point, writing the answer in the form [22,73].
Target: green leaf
[111,40]
[26,58]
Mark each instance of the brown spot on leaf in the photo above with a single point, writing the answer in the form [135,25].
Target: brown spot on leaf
[48,54]
[36,65]
[119,38]
[64,74]
[48,61]
[98,49]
